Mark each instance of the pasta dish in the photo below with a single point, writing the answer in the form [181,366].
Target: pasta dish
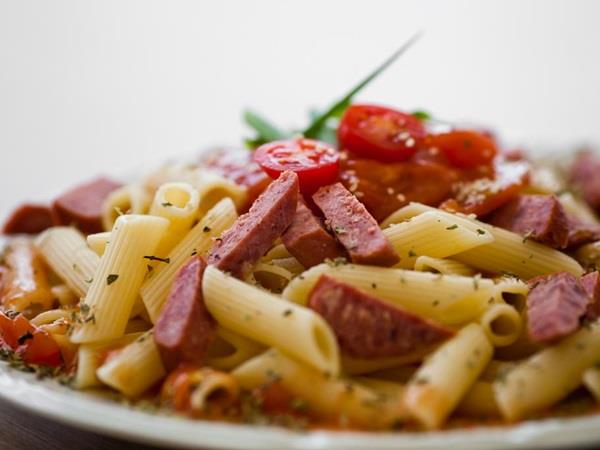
[382,271]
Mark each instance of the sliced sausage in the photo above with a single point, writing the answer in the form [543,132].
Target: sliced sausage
[253,233]
[584,175]
[539,217]
[308,241]
[555,305]
[367,327]
[581,232]
[82,205]
[354,227]
[28,218]
[591,284]
[185,328]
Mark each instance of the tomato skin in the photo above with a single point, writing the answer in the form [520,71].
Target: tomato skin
[32,344]
[465,149]
[380,133]
[316,163]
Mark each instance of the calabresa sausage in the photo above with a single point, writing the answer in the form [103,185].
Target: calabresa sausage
[367,327]
[185,328]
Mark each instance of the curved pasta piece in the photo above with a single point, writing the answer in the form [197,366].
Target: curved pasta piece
[270,320]
[129,199]
[502,324]
[443,266]
[230,350]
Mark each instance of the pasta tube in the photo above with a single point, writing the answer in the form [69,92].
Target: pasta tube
[265,318]
[109,302]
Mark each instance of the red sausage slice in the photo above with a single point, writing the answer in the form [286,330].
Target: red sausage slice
[584,175]
[254,232]
[539,217]
[185,328]
[82,205]
[591,284]
[367,327]
[308,241]
[555,305]
[28,218]
[354,227]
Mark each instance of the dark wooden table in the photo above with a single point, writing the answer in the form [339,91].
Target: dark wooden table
[20,430]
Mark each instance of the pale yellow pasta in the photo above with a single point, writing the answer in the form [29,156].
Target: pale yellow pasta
[384,388]
[271,276]
[229,350]
[178,203]
[501,323]
[52,315]
[91,356]
[266,318]
[447,375]
[589,255]
[129,199]
[508,253]
[549,375]
[511,291]
[109,302]
[64,295]
[68,255]
[360,366]
[450,299]
[277,252]
[98,242]
[212,188]
[135,369]
[443,266]
[591,381]
[198,241]
[325,396]
[479,401]
[432,234]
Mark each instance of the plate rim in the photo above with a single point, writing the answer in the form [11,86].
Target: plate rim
[93,413]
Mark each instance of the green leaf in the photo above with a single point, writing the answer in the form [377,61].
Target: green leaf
[266,131]
[422,115]
[338,107]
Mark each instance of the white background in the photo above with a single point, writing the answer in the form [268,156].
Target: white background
[89,87]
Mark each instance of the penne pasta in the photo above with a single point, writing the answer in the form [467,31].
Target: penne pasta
[230,350]
[325,396]
[358,366]
[501,323]
[536,384]
[178,203]
[446,376]
[591,380]
[129,199]
[479,401]
[265,318]
[66,252]
[449,299]
[199,240]
[508,253]
[97,242]
[135,368]
[432,234]
[113,292]
[443,266]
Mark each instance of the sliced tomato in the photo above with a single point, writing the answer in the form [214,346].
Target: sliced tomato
[380,133]
[484,195]
[32,344]
[465,148]
[8,333]
[316,163]
[385,187]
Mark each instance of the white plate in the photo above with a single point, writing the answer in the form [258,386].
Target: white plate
[57,402]
[93,413]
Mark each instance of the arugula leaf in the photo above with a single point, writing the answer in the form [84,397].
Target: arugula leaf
[312,131]
[266,131]
[421,115]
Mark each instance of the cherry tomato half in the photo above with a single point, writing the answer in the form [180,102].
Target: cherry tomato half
[380,133]
[464,148]
[316,163]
